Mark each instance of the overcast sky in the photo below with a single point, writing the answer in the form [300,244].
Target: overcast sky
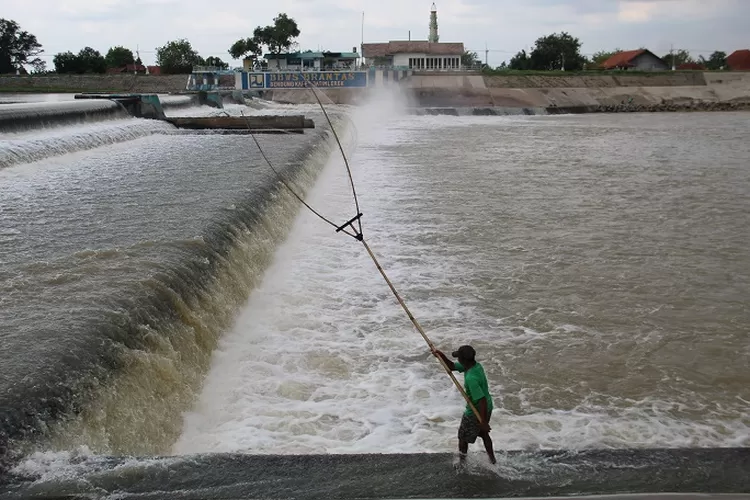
[505,26]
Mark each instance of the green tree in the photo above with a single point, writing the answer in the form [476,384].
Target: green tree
[279,36]
[65,63]
[520,61]
[87,60]
[17,47]
[678,58]
[119,56]
[246,48]
[177,57]
[469,59]
[599,57]
[557,51]
[215,61]
[38,66]
[716,61]
[91,61]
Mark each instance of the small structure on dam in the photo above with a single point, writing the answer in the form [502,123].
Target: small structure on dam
[151,107]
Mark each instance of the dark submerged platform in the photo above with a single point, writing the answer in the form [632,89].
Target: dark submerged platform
[256,122]
[393,476]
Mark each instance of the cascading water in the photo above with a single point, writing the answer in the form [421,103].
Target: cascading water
[114,302]
[24,116]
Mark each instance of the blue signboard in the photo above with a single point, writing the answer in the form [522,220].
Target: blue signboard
[323,79]
[297,80]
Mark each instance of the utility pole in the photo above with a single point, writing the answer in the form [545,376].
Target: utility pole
[671,56]
[486,54]
[362,38]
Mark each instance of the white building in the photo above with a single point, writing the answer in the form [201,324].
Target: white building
[430,55]
[417,55]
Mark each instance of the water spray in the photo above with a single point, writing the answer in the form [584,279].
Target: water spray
[357,233]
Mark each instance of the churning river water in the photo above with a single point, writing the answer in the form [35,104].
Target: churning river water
[162,295]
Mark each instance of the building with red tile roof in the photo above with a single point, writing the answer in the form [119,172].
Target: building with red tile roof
[739,60]
[641,59]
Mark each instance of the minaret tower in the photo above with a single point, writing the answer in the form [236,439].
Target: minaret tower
[434,38]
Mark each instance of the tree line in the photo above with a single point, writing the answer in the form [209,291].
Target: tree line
[175,57]
[19,48]
[563,51]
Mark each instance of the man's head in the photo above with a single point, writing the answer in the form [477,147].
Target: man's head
[465,354]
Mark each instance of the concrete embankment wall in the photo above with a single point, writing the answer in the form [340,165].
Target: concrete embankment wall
[94,83]
[680,90]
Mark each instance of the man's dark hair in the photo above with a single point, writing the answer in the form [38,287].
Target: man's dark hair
[465,352]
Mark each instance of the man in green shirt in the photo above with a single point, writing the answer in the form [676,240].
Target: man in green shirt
[475,385]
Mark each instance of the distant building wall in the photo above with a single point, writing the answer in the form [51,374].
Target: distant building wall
[281,65]
[427,61]
[380,77]
[649,62]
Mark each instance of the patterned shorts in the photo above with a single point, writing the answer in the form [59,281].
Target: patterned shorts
[468,431]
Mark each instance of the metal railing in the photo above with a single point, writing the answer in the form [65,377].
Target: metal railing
[213,69]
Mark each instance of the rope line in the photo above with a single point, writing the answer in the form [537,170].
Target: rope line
[341,148]
[281,178]
[359,236]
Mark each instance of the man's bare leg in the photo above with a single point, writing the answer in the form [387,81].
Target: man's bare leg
[488,446]
[463,449]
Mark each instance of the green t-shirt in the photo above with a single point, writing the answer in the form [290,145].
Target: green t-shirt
[475,384]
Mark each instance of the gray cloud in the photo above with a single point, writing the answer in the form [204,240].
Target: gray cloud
[504,26]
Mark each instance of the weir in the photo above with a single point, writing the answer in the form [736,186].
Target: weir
[49,396]
[552,473]
[19,117]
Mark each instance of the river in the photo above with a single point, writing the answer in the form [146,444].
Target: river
[173,300]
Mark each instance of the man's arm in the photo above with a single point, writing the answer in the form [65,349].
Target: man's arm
[448,362]
[482,408]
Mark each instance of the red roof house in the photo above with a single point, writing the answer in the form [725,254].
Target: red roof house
[641,59]
[739,60]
